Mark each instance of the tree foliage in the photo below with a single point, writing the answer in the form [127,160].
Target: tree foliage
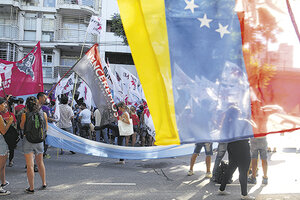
[117,27]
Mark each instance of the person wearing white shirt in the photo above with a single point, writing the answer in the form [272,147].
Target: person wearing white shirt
[85,120]
[97,116]
[66,116]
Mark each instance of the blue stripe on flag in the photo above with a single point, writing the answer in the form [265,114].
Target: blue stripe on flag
[210,84]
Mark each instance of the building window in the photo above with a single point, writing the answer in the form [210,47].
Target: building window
[30,26]
[8,51]
[109,26]
[48,25]
[47,60]
[47,36]
[29,35]
[74,31]
[49,3]
[119,58]
[68,61]
[47,72]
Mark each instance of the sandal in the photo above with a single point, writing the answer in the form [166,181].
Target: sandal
[29,191]
[43,187]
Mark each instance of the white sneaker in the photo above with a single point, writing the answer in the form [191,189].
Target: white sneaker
[4,192]
[5,184]
[224,192]
[247,197]
[190,173]
[208,175]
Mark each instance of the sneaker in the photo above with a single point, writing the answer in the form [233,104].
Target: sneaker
[251,180]
[265,181]
[29,191]
[224,192]
[190,173]
[4,192]
[11,163]
[208,175]
[247,197]
[5,184]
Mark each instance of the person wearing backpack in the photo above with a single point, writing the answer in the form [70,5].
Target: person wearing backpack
[35,125]
[3,147]
[5,115]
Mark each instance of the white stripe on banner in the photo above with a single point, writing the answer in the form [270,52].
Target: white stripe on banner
[59,138]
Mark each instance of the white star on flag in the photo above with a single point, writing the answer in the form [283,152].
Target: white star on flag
[190,5]
[222,30]
[204,21]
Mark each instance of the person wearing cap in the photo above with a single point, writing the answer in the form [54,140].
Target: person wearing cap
[3,146]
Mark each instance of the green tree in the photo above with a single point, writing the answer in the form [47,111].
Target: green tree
[117,27]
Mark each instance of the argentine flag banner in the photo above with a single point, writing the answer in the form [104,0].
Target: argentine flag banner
[215,70]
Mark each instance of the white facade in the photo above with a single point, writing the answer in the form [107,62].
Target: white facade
[110,43]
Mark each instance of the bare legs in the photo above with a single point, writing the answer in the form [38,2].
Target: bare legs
[207,162]
[30,172]
[264,164]
[2,168]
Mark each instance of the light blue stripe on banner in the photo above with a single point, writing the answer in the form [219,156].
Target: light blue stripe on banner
[59,138]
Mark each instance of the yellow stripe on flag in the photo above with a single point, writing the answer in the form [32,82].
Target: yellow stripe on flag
[145,27]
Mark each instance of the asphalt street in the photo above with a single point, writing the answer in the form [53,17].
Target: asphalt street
[86,177]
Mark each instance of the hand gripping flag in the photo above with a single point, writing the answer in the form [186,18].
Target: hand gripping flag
[89,68]
[24,77]
[203,64]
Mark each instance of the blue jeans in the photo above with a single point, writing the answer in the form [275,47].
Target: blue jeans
[105,135]
[222,148]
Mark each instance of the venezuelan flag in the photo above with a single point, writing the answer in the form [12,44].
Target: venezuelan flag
[202,64]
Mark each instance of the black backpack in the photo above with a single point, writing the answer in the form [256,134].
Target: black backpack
[220,172]
[11,137]
[35,127]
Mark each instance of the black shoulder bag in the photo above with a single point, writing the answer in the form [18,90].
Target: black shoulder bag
[11,136]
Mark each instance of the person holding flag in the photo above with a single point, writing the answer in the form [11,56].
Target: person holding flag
[3,146]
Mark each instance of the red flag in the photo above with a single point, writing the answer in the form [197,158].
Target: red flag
[270,48]
[24,77]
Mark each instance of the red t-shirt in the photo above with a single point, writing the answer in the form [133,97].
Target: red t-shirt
[18,108]
[135,119]
[6,115]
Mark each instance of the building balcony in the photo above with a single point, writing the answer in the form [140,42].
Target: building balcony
[15,3]
[81,5]
[9,32]
[75,35]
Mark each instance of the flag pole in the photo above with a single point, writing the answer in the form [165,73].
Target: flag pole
[293,19]
[76,79]
[63,77]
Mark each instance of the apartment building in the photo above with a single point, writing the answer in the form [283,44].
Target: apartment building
[61,26]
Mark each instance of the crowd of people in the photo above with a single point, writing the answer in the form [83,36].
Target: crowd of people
[242,154]
[129,130]
[27,119]
[86,122]
[80,120]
